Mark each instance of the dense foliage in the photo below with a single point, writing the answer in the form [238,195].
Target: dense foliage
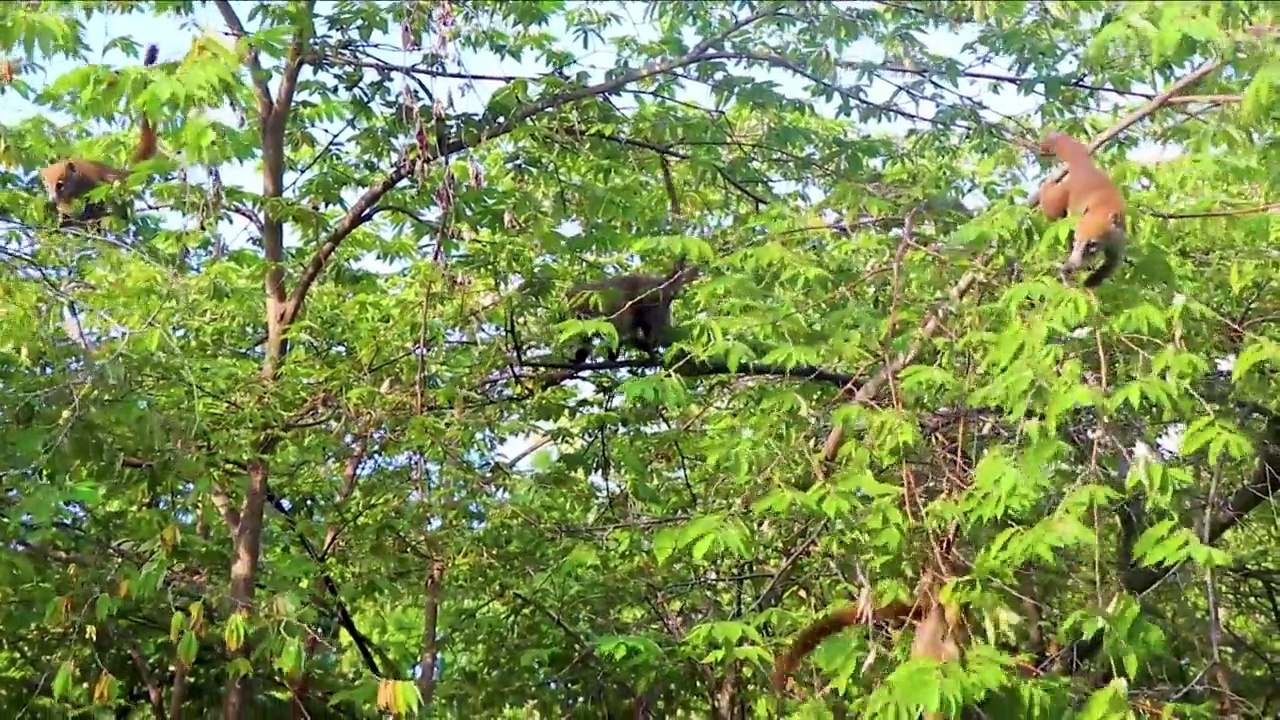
[397,496]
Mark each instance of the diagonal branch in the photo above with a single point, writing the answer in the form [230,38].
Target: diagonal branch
[153,688]
[665,151]
[790,65]
[1263,485]
[1256,210]
[361,641]
[355,216]
[872,387]
[295,60]
[259,76]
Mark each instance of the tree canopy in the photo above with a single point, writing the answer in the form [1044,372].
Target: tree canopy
[294,430]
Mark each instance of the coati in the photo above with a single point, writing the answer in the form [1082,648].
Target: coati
[639,306]
[66,180]
[1086,190]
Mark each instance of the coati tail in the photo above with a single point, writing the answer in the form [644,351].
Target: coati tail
[810,638]
[147,134]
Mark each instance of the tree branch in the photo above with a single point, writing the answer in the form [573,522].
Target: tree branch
[355,215]
[1268,208]
[178,694]
[1262,486]
[259,76]
[362,643]
[666,151]
[222,502]
[431,615]
[295,60]
[153,688]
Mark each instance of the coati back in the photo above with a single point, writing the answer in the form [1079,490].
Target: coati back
[639,306]
[68,179]
[1090,192]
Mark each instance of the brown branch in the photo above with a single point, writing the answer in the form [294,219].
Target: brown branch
[416,69]
[665,150]
[1263,484]
[1211,99]
[294,61]
[350,474]
[786,64]
[259,76]
[153,688]
[673,198]
[273,119]
[273,125]
[345,620]
[980,75]
[298,688]
[246,550]
[178,694]
[1226,706]
[355,215]
[578,639]
[431,615]
[222,502]
[872,387]
[768,597]
[709,367]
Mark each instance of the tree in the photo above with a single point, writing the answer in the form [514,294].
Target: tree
[384,489]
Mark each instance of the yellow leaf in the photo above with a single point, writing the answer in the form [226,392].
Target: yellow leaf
[102,689]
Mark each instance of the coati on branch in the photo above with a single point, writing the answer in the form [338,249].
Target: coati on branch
[69,179]
[639,306]
[1089,191]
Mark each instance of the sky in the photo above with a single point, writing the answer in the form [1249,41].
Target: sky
[174,37]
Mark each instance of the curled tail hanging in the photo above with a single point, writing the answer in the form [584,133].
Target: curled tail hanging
[810,638]
[147,134]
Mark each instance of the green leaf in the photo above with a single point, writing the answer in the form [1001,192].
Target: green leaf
[62,680]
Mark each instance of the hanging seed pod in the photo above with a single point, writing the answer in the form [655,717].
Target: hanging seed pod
[407,110]
[445,20]
[410,40]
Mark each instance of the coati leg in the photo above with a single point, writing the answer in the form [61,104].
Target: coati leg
[583,352]
[1054,197]
[653,328]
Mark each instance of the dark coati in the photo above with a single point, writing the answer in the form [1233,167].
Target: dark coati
[639,306]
